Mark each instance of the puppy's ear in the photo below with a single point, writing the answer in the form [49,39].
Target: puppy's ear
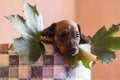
[83,38]
[48,34]
[50,31]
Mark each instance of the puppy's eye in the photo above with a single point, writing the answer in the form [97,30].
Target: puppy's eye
[77,35]
[63,35]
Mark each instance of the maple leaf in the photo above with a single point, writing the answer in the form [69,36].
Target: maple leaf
[105,43]
[29,43]
[83,55]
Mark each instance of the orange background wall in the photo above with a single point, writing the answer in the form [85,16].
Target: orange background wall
[90,14]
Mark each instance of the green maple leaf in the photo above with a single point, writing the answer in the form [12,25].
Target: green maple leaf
[105,43]
[29,44]
[28,47]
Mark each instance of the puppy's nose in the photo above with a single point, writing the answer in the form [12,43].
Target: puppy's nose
[73,49]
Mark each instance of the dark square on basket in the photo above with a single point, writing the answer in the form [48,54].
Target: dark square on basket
[3,48]
[4,72]
[13,60]
[24,79]
[36,71]
[48,60]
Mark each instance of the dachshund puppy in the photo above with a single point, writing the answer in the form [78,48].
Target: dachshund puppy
[65,36]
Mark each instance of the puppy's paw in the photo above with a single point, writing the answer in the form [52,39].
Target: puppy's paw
[46,39]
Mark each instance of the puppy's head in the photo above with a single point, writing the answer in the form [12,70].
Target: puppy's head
[66,36]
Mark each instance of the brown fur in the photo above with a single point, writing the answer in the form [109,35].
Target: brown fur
[65,36]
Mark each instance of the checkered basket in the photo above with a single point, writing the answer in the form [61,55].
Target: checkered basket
[48,67]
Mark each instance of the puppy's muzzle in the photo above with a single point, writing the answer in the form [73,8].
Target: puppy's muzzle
[73,50]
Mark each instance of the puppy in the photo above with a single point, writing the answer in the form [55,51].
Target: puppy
[65,36]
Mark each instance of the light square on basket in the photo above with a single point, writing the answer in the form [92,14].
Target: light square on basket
[58,60]
[59,72]
[13,72]
[4,60]
[23,60]
[24,71]
[48,72]
[13,79]
[47,79]
[49,49]
[3,78]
